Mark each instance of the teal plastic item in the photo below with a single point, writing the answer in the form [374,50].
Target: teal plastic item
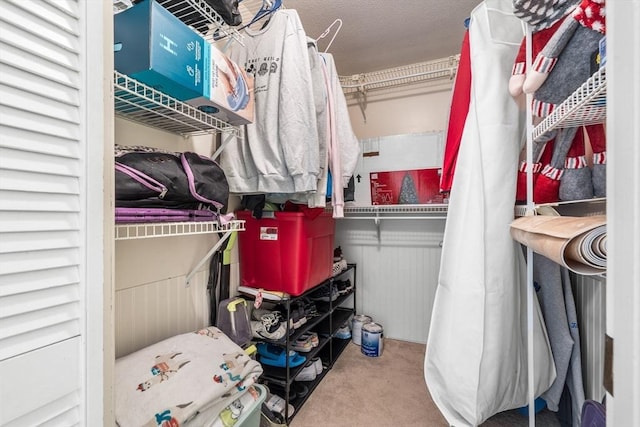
[274,355]
[251,417]
[156,48]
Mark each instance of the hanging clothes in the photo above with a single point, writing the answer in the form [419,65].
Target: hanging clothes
[457,115]
[553,288]
[347,142]
[279,152]
[318,198]
[476,356]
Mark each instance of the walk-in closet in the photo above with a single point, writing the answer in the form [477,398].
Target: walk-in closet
[261,213]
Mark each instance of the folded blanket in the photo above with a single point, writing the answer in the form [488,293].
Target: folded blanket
[174,380]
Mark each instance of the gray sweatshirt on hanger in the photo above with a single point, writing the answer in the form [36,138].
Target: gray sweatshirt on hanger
[279,153]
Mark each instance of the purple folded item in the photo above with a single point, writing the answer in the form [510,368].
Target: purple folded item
[129,215]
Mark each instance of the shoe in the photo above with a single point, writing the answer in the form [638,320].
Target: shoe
[317,364]
[303,344]
[337,254]
[344,332]
[273,355]
[257,314]
[297,316]
[325,293]
[308,373]
[314,338]
[344,286]
[339,267]
[260,329]
[310,309]
[277,404]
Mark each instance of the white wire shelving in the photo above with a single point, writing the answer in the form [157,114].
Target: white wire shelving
[586,106]
[143,104]
[200,16]
[169,229]
[587,207]
[445,68]
[378,212]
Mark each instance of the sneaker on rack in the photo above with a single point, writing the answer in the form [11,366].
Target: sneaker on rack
[310,309]
[339,267]
[297,316]
[308,373]
[303,344]
[325,293]
[344,286]
[268,327]
[257,313]
[277,404]
[344,332]
[317,364]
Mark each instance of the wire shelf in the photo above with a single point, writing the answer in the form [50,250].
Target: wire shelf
[200,16]
[409,74]
[586,207]
[586,106]
[432,211]
[141,103]
[167,229]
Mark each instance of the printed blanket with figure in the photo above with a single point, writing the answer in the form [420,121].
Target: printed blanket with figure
[169,383]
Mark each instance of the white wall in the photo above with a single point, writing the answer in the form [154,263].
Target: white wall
[409,109]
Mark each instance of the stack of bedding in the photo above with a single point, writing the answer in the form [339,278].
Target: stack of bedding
[198,378]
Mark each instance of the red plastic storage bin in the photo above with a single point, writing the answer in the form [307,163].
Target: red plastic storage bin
[289,252]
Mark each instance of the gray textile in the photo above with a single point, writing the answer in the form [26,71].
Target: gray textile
[574,375]
[574,48]
[561,147]
[599,178]
[576,184]
[558,308]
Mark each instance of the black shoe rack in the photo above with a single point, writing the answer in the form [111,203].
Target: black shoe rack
[331,315]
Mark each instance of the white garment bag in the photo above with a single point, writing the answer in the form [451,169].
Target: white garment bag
[476,358]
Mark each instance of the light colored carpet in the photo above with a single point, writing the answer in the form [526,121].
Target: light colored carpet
[385,391]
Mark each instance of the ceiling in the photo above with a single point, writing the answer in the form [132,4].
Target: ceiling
[376,35]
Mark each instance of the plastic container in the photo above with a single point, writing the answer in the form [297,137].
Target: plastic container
[251,418]
[288,252]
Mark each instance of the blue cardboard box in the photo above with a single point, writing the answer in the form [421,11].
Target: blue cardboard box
[156,48]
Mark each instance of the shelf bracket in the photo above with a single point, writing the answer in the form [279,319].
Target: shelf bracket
[361,99]
[376,221]
[215,247]
[225,140]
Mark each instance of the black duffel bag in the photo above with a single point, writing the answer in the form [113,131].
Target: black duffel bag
[146,177]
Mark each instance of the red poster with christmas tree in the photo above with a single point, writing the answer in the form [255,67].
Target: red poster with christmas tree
[407,187]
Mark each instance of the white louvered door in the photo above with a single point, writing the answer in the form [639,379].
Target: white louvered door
[51,212]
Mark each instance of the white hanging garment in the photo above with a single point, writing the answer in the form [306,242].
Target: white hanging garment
[476,358]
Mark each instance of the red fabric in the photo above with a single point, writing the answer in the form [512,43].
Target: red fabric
[597,138]
[457,115]
[591,14]
[577,145]
[546,190]
[521,184]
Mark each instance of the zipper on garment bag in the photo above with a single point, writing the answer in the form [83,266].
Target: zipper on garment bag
[143,179]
